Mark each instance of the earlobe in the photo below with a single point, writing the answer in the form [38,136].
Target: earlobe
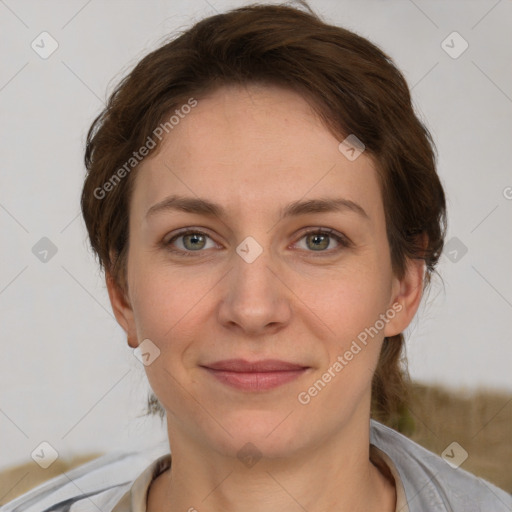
[122,309]
[406,297]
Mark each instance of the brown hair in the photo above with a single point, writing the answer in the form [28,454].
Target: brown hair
[353,86]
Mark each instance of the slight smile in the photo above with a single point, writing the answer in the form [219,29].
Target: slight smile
[255,376]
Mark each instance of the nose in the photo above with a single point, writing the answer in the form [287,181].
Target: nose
[254,299]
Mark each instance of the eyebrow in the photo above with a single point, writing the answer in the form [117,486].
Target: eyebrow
[301,207]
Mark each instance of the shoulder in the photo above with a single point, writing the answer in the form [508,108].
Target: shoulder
[101,482]
[431,483]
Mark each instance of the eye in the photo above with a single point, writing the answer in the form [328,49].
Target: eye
[319,240]
[189,241]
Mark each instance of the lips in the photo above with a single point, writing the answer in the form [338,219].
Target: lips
[255,376]
[266,365]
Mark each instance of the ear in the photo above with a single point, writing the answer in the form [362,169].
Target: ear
[406,297]
[122,310]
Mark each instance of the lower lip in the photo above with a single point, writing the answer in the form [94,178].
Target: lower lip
[256,381]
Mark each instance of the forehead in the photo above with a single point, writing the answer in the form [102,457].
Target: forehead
[254,148]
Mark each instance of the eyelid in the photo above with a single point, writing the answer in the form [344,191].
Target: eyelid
[343,240]
[167,244]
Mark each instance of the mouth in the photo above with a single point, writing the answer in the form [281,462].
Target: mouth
[255,376]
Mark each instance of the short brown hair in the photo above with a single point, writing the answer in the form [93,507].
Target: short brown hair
[353,86]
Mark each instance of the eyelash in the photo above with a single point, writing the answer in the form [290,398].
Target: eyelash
[343,241]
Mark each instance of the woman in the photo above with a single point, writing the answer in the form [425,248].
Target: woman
[266,208]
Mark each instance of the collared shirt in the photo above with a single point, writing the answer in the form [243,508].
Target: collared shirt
[135,499]
[424,481]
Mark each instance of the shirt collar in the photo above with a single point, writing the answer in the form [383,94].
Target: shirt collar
[135,499]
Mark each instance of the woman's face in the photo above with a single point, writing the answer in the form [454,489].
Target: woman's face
[257,279]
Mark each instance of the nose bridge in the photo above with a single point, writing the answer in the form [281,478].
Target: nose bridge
[251,268]
[254,298]
[252,278]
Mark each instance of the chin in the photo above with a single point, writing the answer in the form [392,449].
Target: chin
[267,433]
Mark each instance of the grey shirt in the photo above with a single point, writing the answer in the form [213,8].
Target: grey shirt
[431,483]
[425,482]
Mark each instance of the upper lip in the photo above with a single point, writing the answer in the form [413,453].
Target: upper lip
[265,365]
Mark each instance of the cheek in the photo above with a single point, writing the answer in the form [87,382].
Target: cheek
[352,306]
[352,299]
[167,311]
[171,304]
[162,302]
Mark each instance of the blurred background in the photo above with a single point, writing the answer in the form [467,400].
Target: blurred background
[67,376]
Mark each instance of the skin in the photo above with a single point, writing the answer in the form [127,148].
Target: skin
[253,150]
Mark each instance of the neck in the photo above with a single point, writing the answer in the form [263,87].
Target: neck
[336,476]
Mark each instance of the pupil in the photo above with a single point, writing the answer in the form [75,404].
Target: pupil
[324,242]
[194,239]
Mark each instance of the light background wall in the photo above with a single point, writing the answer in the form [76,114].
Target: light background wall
[66,373]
